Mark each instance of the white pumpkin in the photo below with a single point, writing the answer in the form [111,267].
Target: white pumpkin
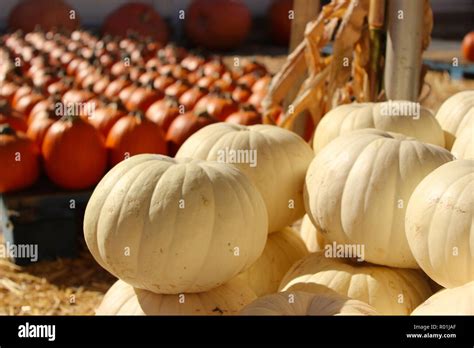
[173,226]
[392,291]
[275,159]
[455,301]
[393,116]
[312,238]
[358,186]
[124,299]
[282,250]
[440,224]
[455,114]
[304,303]
[463,147]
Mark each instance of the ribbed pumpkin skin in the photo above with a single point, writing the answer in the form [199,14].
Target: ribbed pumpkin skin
[312,238]
[347,118]
[227,299]
[440,224]
[455,114]
[463,146]
[282,250]
[304,303]
[357,189]
[455,301]
[181,221]
[282,160]
[379,286]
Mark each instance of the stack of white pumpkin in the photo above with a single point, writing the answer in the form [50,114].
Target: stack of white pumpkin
[189,235]
[194,235]
[384,183]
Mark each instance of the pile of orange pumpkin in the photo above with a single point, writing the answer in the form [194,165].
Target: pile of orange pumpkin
[76,104]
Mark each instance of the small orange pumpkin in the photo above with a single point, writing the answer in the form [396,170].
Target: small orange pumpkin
[247,116]
[105,117]
[163,112]
[19,159]
[183,127]
[40,125]
[74,153]
[133,135]
[12,117]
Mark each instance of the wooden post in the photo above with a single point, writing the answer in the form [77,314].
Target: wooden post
[403,53]
[304,11]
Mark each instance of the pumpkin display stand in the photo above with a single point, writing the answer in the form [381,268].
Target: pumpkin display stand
[44,217]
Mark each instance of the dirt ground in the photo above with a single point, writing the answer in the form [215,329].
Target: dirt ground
[76,286]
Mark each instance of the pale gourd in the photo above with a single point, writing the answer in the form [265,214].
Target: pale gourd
[175,225]
[455,114]
[275,159]
[392,291]
[397,116]
[227,299]
[358,186]
[455,301]
[440,224]
[304,303]
[282,250]
[312,238]
[463,147]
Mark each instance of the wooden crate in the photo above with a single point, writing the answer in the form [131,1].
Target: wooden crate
[42,218]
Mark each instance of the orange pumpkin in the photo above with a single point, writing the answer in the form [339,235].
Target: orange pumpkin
[177,89]
[74,153]
[137,18]
[142,97]
[116,86]
[46,14]
[163,112]
[189,98]
[19,160]
[25,104]
[217,105]
[241,93]
[40,125]
[217,24]
[133,135]
[246,116]
[183,127]
[468,46]
[163,81]
[12,117]
[105,117]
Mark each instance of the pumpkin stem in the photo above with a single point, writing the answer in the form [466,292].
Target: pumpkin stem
[6,129]
[248,107]
[205,114]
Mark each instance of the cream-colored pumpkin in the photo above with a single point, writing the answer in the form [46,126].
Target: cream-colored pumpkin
[440,224]
[455,114]
[282,250]
[391,116]
[358,186]
[463,147]
[227,299]
[173,226]
[390,291]
[312,238]
[455,301]
[305,303]
[281,160]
